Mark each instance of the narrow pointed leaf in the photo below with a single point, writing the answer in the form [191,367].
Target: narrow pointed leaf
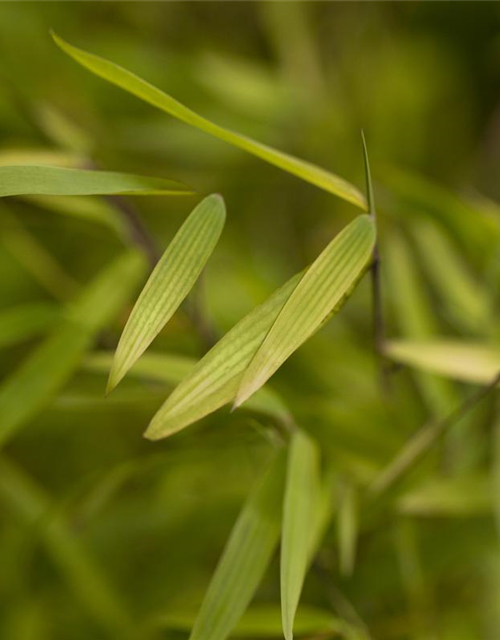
[214,381]
[145,91]
[29,389]
[324,285]
[299,511]
[248,552]
[25,321]
[60,181]
[473,362]
[171,281]
[347,521]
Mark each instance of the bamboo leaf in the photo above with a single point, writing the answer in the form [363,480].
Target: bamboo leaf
[473,362]
[248,552]
[214,381]
[302,496]
[171,281]
[347,522]
[31,387]
[324,286]
[145,91]
[43,180]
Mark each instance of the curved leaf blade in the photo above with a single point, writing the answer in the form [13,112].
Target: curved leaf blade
[23,180]
[145,91]
[324,285]
[171,281]
[214,381]
[302,495]
[247,554]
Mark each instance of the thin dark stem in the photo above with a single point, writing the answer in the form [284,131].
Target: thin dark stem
[424,438]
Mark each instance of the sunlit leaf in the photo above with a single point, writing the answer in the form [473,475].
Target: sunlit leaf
[347,526]
[458,359]
[214,381]
[33,385]
[171,281]
[42,180]
[248,552]
[133,84]
[299,510]
[324,286]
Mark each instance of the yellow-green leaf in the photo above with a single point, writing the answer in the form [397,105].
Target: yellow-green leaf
[31,387]
[324,285]
[248,552]
[18,180]
[214,381]
[145,91]
[171,281]
[299,511]
[473,362]
[25,321]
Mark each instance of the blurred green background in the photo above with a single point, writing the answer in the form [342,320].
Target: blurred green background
[94,520]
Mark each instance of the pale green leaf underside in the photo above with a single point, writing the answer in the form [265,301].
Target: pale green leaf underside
[171,281]
[31,387]
[145,91]
[457,359]
[214,381]
[60,181]
[323,286]
[248,552]
[299,510]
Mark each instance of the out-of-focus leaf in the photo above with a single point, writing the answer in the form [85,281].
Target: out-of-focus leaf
[171,281]
[465,299]
[264,621]
[145,91]
[35,259]
[214,381]
[26,321]
[42,180]
[82,575]
[347,524]
[248,552]
[299,510]
[477,363]
[38,156]
[31,387]
[324,287]
[464,496]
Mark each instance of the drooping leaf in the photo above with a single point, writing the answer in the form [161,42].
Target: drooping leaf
[299,511]
[473,362]
[245,558]
[214,381]
[26,321]
[43,180]
[31,387]
[171,281]
[325,284]
[145,91]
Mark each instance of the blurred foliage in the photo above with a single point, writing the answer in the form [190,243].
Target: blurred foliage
[106,535]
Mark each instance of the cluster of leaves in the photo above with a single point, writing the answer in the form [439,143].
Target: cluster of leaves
[324,471]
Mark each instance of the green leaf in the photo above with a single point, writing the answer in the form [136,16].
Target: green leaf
[302,496]
[320,292]
[26,321]
[264,621]
[60,181]
[347,522]
[145,91]
[171,281]
[248,552]
[214,381]
[31,387]
[473,362]
[81,574]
